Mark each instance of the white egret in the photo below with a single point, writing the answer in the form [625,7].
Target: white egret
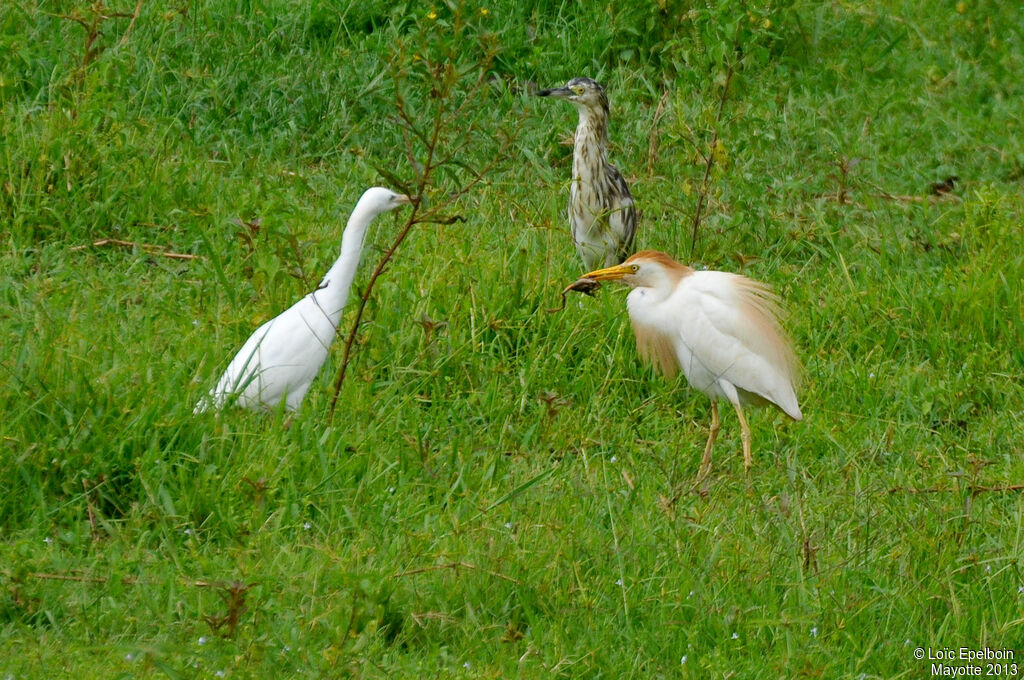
[283,356]
[721,330]
[602,216]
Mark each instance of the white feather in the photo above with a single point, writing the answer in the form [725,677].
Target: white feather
[283,356]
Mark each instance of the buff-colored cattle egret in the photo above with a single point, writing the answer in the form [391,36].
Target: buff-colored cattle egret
[602,216]
[281,359]
[721,330]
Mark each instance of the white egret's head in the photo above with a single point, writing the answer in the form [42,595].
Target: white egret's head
[646,269]
[378,200]
[583,92]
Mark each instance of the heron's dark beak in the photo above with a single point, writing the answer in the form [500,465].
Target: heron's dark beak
[557,92]
[609,273]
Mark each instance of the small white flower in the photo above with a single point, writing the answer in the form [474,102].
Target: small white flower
[735,636]
[871,375]
[988,567]
[188,532]
[612,459]
[907,642]
[619,582]
[307,526]
[814,631]
[287,648]
[47,540]
[129,657]
[467,665]
[689,595]
[219,674]
[202,640]
[391,489]
[682,660]
[1020,589]
[508,525]
[195,322]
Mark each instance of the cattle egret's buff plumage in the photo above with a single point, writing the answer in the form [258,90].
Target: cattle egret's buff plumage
[281,359]
[602,216]
[721,330]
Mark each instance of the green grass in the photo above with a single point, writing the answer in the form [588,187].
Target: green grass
[488,500]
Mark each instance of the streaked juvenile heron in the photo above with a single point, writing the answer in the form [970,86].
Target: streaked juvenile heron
[283,356]
[602,216]
[721,330]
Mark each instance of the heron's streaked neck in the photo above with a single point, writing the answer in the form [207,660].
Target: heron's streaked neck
[332,294]
[593,126]
[590,151]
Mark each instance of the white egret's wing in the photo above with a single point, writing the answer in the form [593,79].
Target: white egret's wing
[282,357]
[728,329]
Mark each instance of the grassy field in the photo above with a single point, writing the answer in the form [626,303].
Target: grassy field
[489,499]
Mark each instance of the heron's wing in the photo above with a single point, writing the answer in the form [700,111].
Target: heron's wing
[622,216]
[730,326]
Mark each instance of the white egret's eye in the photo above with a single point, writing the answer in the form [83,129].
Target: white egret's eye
[635,268]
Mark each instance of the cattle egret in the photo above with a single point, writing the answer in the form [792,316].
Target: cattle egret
[721,330]
[602,216]
[281,359]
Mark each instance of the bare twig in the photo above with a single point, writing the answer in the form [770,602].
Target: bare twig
[94,28]
[92,515]
[125,580]
[652,141]
[445,119]
[150,248]
[973,488]
[455,566]
[709,158]
[131,24]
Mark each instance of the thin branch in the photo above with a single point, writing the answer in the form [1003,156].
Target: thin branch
[973,488]
[453,565]
[94,530]
[149,248]
[125,580]
[652,142]
[131,24]
[444,118]
[364,298]
[710,157]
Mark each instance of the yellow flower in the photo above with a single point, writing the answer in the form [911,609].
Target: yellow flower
[484,11]
[432,15]
[767,23]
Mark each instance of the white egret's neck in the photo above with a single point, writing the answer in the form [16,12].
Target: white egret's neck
[332,294]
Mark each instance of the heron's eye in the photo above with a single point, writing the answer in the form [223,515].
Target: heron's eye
[578,89]
[635,268]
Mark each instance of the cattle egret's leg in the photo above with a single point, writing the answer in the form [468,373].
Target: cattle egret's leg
[705,462]
[745,435]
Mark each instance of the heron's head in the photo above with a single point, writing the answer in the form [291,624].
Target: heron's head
[378,200]
[583,92]
[646,269]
